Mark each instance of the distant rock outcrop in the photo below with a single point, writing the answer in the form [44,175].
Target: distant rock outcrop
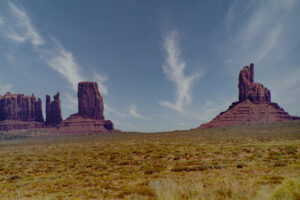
[255,92]
[254,105]
[20,107]
[89,118]
[22,112]
[90,102]
[53,110]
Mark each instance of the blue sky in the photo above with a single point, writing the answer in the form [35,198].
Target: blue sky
[160,65]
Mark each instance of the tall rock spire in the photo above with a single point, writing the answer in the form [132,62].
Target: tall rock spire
[90,101]
[254,105]
[53,110]
[255,92]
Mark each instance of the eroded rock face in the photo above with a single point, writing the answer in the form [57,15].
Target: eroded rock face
[75,124]
[89,118]
[255,92]
[254,105]
[21,112]
[90,102]
[21,108]
[109,125]
[249,113]
[53,110]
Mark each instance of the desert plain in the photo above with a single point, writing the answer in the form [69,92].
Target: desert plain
[243,162]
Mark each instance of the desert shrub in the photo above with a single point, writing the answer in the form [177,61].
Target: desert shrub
[288,190]
[291,150]
[172,190]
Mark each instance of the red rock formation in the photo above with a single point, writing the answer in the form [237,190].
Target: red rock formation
[75,124]
[21,108]
[255,92]
[89,118]
[53,110]
[254,105]
[90,102]
[109,125]
[20,112]
[248,113]
[8,125]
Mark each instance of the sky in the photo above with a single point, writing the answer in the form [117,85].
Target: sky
[160,65]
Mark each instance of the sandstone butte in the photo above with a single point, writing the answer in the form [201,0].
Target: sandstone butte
[254,105]
[23,112]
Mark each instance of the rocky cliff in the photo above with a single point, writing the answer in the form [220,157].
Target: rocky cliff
[22,112]
[89,118]
[90,102]
[254,105]
[53,110]
[20,107]
[255,92]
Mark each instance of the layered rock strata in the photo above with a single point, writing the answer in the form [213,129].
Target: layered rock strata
[254,105]
[21,112]
[90,102]
[18,111]
[20,107]
[89,118]
[255,92]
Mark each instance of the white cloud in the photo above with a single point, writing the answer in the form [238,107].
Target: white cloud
[70,102]
[22,30]
[122,125]
[5,88]
[266,33]
[64,63]
[109,109]
[213,108]
[174,71]
[256,33]
[100,79]
[133,112]
[57,57]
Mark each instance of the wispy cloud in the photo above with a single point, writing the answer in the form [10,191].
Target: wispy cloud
[58,58]
[266,33]
[123,125]
[212,108]
[64,63]
[23,30]
[134,113]
[174,71]
[5,88]
[255,31]
[70,102]
[100,79]
[109,109]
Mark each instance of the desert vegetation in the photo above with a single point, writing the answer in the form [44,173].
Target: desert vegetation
[257,162]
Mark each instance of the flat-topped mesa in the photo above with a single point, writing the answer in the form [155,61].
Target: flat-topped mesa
[21,108]
[255,92]
[90,101]
[21,112]
[53,110]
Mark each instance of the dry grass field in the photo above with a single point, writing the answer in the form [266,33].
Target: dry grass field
[261,162]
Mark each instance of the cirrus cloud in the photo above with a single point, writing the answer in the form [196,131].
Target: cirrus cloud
[174,71]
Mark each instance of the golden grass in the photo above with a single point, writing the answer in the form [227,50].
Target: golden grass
[261,162]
